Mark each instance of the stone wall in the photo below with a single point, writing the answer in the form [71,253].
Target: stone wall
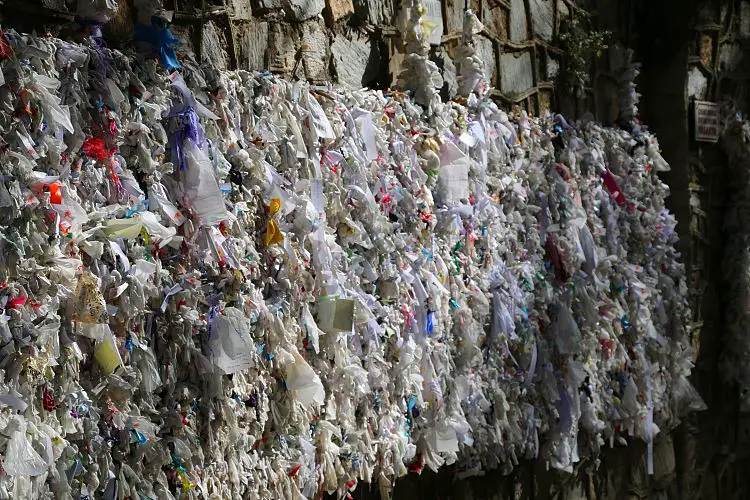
[351,42]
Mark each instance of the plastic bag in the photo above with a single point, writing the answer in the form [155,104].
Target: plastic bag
[89,306]
[230,342]
[302,380]
[200,187]
[20,457]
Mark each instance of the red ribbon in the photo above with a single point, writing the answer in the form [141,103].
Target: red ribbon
[611,184]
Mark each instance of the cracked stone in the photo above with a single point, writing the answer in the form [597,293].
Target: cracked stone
[350,59]
[302,10]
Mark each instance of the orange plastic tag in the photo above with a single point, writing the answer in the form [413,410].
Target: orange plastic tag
[55,194]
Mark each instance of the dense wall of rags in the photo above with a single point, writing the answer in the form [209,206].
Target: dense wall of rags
[358,43]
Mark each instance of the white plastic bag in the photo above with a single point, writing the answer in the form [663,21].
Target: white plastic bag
[230,342]
[201,189]
[20,457]
[302,380]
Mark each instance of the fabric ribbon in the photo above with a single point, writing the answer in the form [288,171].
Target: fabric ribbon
[101,59]
[161,39]
[184,126]
[611,184]
[273,233]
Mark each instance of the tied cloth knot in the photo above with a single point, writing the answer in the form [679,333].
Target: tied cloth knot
[184,126]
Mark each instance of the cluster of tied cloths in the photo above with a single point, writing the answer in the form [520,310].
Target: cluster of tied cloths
[221,285]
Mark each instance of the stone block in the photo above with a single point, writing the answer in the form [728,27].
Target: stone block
[448,71]
[350,57]
[745,19]
[496,20]
[212,48]
[281,47]
[119,30]
[58,5]
[486,50]
[518,24]
[454,15]
[302,10]
[240,10]
[338,9]
[263,6]
[552,68]
[517,73]
[730,56]
[377,12]
[396,57]
[545,101]
[542,18]
[186,34]
[314,52]
[251,42]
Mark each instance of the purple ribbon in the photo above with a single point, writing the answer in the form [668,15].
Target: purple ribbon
[184,126]
[101,60]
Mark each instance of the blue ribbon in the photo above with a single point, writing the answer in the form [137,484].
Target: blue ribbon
[429,324]
[161,39]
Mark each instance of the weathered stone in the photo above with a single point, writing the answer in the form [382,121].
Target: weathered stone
[395,58]
[337,9]
[745,19]
[545,101]
[350,59]
[531,107]
[486,52]
[119,30]
[213,45]
[302,10]
[542,18]
[552,68]
[378,12]
[730,56]
[58,5]
[454,15]
[314,52]
[496,21]
[240,9]
[517,76]
[448,70]
[186,36]
[263,6]
[518,25]
[281,47]
[252,44]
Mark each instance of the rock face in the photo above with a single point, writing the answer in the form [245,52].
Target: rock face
[354,42]
[302,10]
[350,57]
[542,18]
[516,73]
